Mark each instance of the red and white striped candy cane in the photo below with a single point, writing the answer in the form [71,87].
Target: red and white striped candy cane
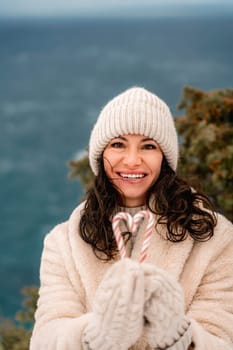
[116,229]
[133,223]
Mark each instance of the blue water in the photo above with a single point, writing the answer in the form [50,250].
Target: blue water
[54,78]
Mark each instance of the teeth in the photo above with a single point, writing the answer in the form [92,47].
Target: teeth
[132,176]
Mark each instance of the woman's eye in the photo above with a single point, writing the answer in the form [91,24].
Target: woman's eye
[150,146]
[117,145]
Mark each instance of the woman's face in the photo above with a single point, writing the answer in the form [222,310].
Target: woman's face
[132,163]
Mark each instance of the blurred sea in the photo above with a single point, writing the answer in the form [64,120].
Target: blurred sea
[55,75]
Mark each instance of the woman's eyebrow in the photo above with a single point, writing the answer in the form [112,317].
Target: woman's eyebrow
[120,137]
[148,139]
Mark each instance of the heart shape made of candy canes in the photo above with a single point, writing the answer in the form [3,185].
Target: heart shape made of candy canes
[132,223]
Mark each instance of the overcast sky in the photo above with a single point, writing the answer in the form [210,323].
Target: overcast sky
[68,7]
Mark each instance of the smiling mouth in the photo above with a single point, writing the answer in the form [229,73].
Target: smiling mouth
[132,176]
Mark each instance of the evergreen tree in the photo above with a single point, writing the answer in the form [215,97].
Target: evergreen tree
[206,132]
[15,334]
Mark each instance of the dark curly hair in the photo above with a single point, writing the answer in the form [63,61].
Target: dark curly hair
[183,211]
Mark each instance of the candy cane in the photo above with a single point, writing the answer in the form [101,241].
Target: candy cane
[147,234]
[133,223]
[115,226]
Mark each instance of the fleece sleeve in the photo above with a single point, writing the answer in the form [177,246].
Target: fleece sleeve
[211,311]
[60,317]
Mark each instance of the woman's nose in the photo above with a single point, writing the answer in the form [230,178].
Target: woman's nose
[132,158]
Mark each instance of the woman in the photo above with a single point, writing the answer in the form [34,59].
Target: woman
[181,297]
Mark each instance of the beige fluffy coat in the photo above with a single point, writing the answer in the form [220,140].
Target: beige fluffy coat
[70,274]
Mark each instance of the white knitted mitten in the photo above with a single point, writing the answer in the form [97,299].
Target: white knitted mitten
[117,318]
[165,322]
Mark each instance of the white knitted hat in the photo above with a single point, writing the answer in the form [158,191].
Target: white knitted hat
[135,111]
